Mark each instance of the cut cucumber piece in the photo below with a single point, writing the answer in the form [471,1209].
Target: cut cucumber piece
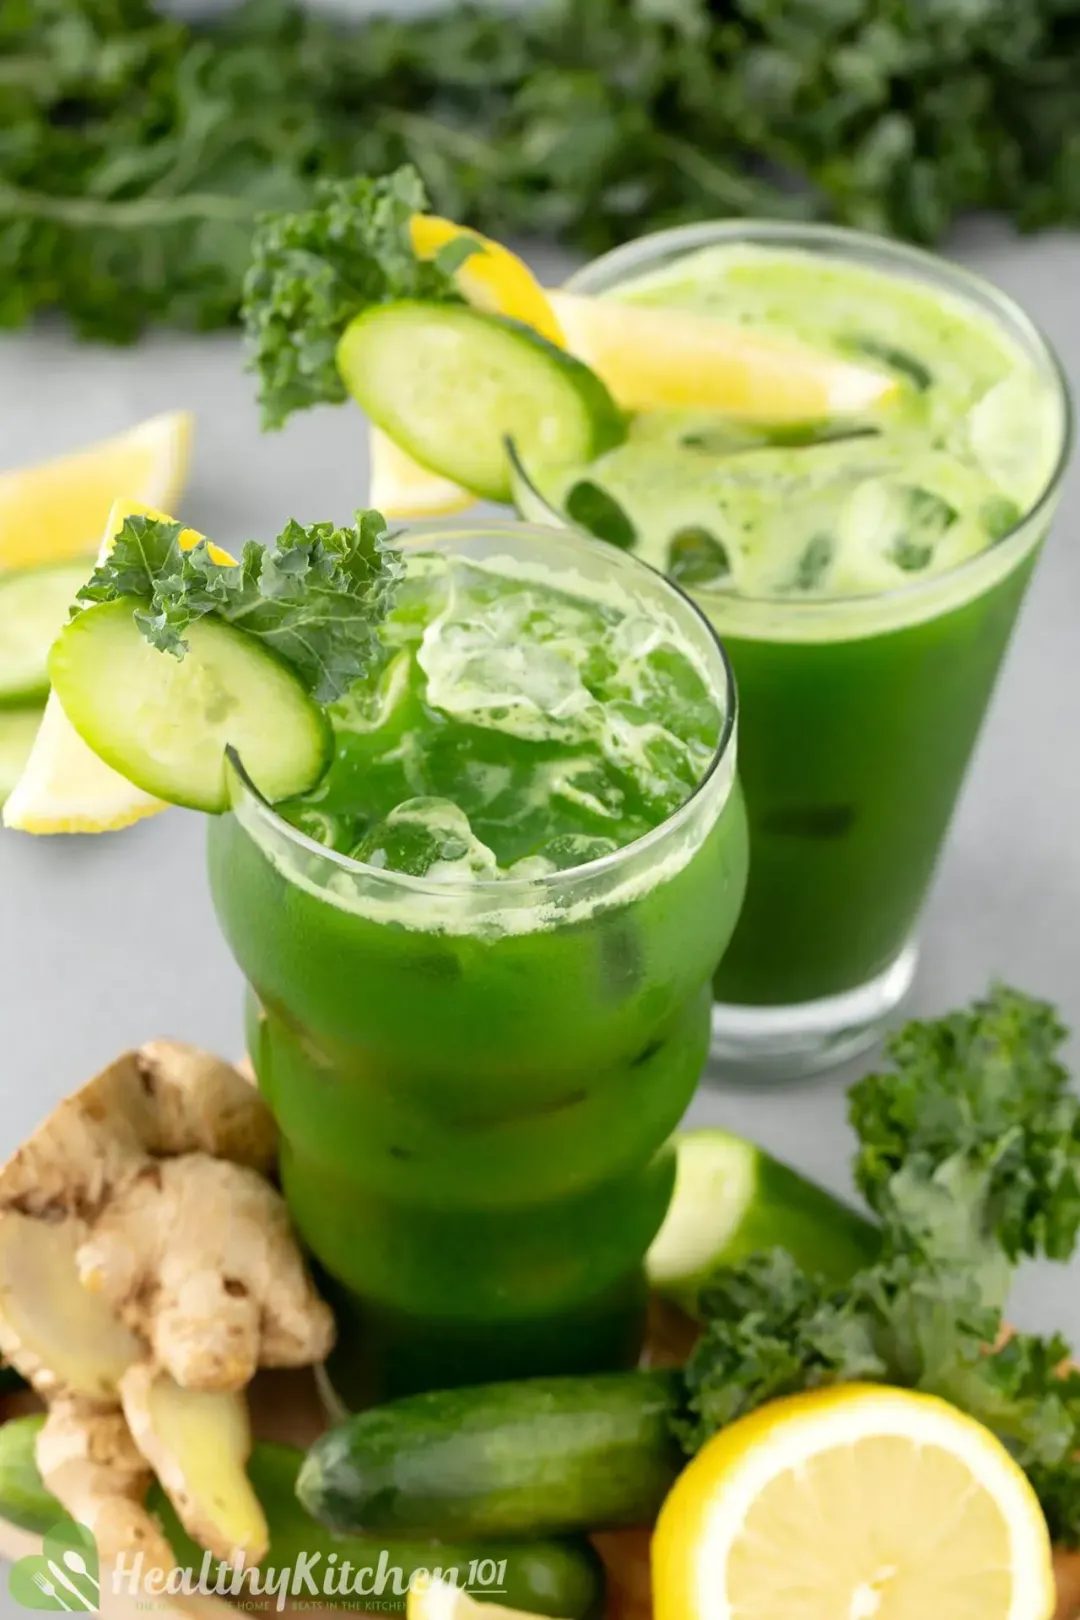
[733,1200]
[450,386]
[18,728]
[164,722]
[34,605]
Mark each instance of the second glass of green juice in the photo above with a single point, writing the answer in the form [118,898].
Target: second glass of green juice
[480,956]
[865,569]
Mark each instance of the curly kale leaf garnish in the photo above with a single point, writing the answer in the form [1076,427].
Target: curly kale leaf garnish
[312,272]
[316,597]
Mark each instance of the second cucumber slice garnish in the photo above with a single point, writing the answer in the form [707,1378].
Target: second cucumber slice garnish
[34,605]
[165,722]
[450,386]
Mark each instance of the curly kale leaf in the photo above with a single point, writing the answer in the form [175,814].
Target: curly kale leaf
[312,272]
[316,597]
[969,1152]
[970,1149]
[136,152]
[772,1330]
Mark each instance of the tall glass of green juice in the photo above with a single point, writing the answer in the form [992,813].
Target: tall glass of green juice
[865,570]
[480,956]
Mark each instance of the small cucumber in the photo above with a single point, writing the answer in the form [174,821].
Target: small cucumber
[558,1578]
[732,1200]
[164,722]
[536,1458]
[34,604]
[18,728]
[23,1498]
[451,386]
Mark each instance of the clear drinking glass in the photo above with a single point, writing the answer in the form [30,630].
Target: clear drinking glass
[858,716]
[475,1082]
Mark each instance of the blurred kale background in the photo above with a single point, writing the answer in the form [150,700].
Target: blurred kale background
[135,151]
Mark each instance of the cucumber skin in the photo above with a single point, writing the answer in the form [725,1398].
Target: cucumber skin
[607,420]
[23,1498]
[561,1579]
[827,1237]
[534,1458]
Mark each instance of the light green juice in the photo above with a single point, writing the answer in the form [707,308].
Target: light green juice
[865,572]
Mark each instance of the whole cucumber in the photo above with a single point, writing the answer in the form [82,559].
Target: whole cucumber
[545,1456]
[558,1578]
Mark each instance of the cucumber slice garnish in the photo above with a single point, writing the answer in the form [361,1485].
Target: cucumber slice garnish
[34,605]
[164,723]
[450,386]
[18,728]
[733,1200]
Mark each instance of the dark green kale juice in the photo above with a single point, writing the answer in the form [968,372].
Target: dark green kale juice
[480,956]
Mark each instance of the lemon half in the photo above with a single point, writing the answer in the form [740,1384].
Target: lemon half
[855,1503]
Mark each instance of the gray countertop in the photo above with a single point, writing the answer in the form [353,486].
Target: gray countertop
[107,941]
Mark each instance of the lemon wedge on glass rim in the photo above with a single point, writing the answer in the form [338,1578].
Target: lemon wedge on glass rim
[64,786]
[853,1503]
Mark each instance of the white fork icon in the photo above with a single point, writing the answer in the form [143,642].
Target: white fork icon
[43,1583]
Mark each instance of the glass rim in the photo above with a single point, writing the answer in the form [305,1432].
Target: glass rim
[965,284]
[511,890]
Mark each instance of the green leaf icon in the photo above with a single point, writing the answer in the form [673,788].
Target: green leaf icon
[62,1577]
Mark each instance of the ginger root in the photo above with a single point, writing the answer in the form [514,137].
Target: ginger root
[196,1255]
[89,1461]
[198,1444]
[147,1269]
[59,1337]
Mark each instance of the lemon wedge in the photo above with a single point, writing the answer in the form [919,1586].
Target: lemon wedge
[492,280]
[655,359]
[58,509]
[401,488]
[64,786]
[442,1600]
[855,1503]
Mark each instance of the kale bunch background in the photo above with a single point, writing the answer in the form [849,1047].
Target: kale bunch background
[135,152]
[969,1155]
